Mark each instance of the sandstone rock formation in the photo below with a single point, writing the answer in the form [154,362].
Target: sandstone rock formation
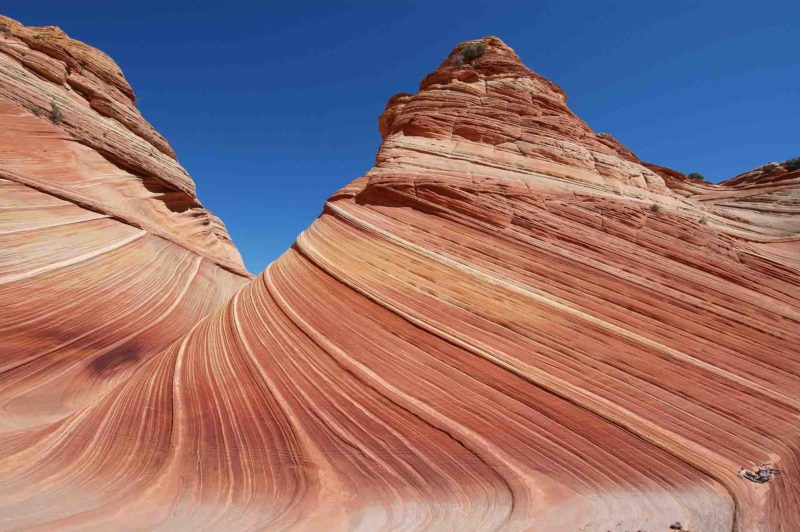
[509,323]
[106,256]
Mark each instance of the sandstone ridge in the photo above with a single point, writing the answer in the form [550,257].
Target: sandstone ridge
[106,255]
[44,74]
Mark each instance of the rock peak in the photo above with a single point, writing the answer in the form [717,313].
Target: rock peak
[61,96]
[486,58]
[483,94]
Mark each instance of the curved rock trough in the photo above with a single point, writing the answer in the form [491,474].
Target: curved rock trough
[510,322]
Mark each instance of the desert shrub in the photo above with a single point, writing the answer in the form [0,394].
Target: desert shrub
[56,116]
[469,52]
[38,36]
[768,168]
[703,221]
[5,30]
[655,207]
[792,164]
[697,175]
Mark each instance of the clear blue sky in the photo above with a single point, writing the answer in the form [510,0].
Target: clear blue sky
[272,106]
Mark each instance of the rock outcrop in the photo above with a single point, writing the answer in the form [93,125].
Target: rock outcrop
[70,129]
[510,322]
[106,255]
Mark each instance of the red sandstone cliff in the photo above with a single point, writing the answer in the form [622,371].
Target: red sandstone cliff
[106,256]
[101,153]
[509,322]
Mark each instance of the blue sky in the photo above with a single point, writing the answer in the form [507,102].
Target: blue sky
[272,106]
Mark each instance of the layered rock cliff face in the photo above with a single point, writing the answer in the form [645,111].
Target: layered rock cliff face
[106,256]
[510,322]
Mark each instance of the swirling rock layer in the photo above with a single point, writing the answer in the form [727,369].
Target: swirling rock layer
[509,323]
[102,264]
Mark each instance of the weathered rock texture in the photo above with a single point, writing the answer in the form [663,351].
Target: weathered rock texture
[509,323]
[106,256]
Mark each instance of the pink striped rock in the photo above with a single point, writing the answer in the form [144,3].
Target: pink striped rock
[510,322]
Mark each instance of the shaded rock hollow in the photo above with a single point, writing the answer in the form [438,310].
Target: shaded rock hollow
[493,328]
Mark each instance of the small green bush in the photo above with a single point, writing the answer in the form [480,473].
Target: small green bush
[469,52]
[697,175]
[792,164]
[56,116]
[768,168]
[655,207]
[38,36]
[5,30]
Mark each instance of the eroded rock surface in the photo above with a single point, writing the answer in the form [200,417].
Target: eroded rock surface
[510,322]
[106,256]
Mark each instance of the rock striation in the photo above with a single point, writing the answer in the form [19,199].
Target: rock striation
[71,129]
[510,322]
[106,255]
